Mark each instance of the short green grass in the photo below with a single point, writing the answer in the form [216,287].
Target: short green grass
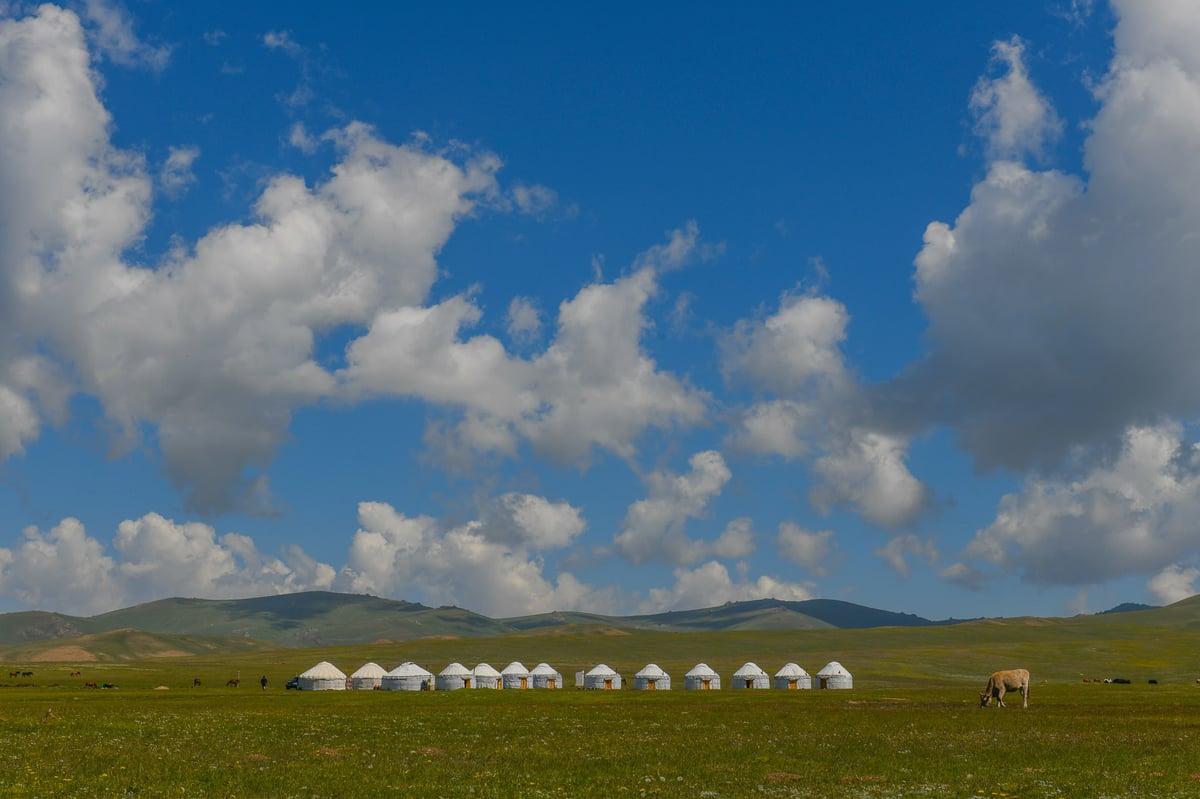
[1074,741]
[910,727]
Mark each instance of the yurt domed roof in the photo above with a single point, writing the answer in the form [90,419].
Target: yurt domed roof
[516,667]
[544,668]
[651,671]
[701,670]
[484,670]
[791,670]
[409,669]
[749,670]
[833,669]
[455,670]
[324,671]
[601,671]
[368,670]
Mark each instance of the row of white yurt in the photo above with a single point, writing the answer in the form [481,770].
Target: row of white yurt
[323,677]
[409,676]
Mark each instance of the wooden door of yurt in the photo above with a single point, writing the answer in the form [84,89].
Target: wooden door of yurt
[550,683]
[608,683]
[793,685]
[749,682]
[706,685]
[649,685]
[466,682]
[824,682]
[524,682]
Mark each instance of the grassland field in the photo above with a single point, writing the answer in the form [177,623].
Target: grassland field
[911,726]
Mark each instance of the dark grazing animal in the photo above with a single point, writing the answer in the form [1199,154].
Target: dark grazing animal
[233,683]
[1002,681]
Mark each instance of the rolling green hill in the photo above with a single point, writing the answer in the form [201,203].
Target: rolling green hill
[323,619]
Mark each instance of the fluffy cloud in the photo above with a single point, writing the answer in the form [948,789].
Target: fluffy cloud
[1010,114]
[594,386]
[176,174]
[1061,310]
[654,528]
[821,412]
[806,548]
[524,321]
[1174,583]
[900,548]
[710,584]
[1133,515]
[472,565]
[214,348]
[112,31]
[67,570]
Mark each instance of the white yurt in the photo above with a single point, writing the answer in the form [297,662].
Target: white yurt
[408,676]
[368,677]
[751,675]
[486,677]
[834,675]
[791,678]
[546,676]
[701,678]
[652,678]
[453,677]
[323,677]
[602,678]
[515,675]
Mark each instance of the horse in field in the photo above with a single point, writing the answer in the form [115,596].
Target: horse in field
[233,683]
[1002,681]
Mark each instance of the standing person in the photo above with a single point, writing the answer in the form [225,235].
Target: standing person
[263,682]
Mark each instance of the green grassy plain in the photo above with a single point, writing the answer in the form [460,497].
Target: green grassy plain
[910,727]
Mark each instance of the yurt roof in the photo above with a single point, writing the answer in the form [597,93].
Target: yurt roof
[601,671]
[368,670]
[455,670]
[324,671]
[484,670]
[516,667]
[651,670]
[701,670]
[791,670]
[749,670]
[833,669]
[409,669]
[544,668]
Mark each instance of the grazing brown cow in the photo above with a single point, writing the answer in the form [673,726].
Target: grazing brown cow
[233,683]
[1001,681]
[195,682]
[90,684]
[77,674]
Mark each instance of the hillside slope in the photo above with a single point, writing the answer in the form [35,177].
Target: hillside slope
[324,619]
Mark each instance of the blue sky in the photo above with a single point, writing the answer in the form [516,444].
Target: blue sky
[614,309]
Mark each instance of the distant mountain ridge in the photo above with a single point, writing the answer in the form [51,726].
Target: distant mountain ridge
[322,618]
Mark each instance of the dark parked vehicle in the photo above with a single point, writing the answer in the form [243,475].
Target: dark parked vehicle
[293,683]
